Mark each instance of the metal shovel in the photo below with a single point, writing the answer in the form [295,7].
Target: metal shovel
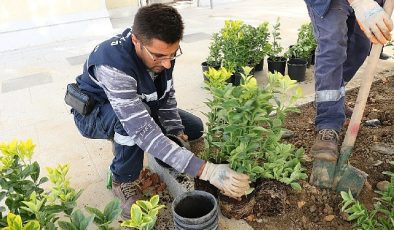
[340,175]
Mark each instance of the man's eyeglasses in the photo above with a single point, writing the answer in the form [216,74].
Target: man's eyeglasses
[177,53]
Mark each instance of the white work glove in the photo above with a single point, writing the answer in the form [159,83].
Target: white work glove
[372,19]
[231,183]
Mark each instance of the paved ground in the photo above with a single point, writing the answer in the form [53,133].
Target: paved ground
[33,82]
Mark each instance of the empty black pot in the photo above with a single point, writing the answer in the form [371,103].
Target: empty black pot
[195,210]
[296,69]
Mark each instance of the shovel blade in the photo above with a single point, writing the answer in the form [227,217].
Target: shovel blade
[323,173]
[352,179]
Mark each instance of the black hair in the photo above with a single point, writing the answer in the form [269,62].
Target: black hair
[158,21]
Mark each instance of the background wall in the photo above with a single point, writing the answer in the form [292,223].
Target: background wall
[32,22]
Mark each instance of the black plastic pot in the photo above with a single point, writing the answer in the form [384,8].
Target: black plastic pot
[296,69]
[178,142]
[205,186]
[195,210]
[259,66]
[235,79]
[277,64]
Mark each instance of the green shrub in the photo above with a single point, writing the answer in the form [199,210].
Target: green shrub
[244,126]
[28,206]
[238,44]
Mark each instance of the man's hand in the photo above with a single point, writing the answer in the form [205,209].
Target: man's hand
[372,19]
[182,136]
[232,184]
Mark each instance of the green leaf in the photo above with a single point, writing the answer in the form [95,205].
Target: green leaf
[296,186]
[99,216]
[67,226]
[35,171]
[14,222]
[154,200]
[112,210]
[42,180]
[32,225]
[136,213]
[145,205]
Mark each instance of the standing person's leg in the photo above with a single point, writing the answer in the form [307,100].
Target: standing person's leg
[331,33]
[102,123]
[357,49]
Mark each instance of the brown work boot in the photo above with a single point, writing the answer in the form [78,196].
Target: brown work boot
[128,193]
[326,145]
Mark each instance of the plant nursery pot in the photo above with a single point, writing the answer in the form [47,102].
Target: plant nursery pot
[203,185]
[259,66]
[296,69]
[238,209]
[278,65]
[235,79]
[195,210]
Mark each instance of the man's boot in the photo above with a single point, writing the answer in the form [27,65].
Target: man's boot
[128,193]
[326,145]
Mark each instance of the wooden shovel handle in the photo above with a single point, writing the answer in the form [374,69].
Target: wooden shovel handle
[368,75]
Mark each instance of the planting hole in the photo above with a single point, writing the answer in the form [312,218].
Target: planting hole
[194,207]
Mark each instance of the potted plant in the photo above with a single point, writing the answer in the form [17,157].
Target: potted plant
[276,62]
[307,40]
[214,59]
[244,129]
[236,38]
[296,66]
[262,45]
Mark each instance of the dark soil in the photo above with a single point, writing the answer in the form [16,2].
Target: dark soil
[315,208]
[232,208]
[277,206]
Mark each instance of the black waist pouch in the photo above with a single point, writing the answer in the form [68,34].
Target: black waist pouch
[78,100]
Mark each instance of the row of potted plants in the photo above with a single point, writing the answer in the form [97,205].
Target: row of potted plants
[238,44]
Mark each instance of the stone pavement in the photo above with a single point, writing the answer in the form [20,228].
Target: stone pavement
[33,81]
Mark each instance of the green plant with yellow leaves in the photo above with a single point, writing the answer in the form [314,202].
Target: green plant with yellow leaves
[245,123]
[19,176]
[27,205]
[14,222]
[143,214]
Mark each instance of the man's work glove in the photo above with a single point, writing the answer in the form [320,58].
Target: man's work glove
[372,19]
[231,183]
